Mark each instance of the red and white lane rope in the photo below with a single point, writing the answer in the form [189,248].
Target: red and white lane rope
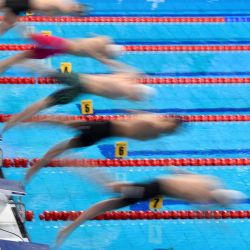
[103,19]
[180,162]
[149,80]
[184,118]
[149,48]
[143,215]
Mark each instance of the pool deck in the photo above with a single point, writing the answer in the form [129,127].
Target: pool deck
[10,221]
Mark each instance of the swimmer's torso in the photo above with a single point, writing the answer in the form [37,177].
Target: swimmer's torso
[47,5]
[111,86]
[202,185]
[89,46]
[141,128]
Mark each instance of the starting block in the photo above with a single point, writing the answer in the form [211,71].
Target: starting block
[12,245]
[11,188]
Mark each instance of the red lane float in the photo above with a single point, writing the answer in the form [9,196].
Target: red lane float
[17,80]
[103,19]
[180,162]
[16,46]
[185,48]
[184,118]
[29,215]
[150,48]
[148,215]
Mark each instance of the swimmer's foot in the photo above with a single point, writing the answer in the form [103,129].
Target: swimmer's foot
[6,127]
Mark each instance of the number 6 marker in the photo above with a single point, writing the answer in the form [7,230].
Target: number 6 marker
[121,149]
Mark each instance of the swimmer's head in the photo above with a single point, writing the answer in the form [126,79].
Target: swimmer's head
[142,92]
[226,197]
[113,50]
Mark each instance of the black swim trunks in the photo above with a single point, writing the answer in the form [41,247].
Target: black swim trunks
[92,132]
[141,191]
[70,79]
[65,95]
[18,6]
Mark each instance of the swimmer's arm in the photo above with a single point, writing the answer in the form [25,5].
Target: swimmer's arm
[89,214]
[53,152]
[115,65]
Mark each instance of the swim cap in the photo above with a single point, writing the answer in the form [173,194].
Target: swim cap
[227,197]
[113,50]
[144,92]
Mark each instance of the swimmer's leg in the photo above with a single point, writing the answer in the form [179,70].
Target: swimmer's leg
[53,152]
[89,214]
[35,66]
[36,53]
[27,113]
[62,96]
[18,58]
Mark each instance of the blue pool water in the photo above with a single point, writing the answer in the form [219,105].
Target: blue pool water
[68,189]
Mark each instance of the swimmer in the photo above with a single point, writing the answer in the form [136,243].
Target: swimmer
[188,187]
[139,127]
[117,85]
[100,48]
[13,8]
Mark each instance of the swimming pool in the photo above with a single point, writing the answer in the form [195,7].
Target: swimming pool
[63,189]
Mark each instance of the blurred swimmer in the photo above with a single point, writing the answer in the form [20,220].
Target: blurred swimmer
[13,8]
[117,85]
[100,48]
[188,187]
[139,127]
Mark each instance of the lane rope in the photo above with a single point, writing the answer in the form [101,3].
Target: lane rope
[181,162]
[148,215]
[184,118]
[150,80]
[106,19]
[149,48]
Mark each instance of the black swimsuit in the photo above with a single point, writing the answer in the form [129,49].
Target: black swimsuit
[92,132]
[18,6]
[140,192]
[66,95]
